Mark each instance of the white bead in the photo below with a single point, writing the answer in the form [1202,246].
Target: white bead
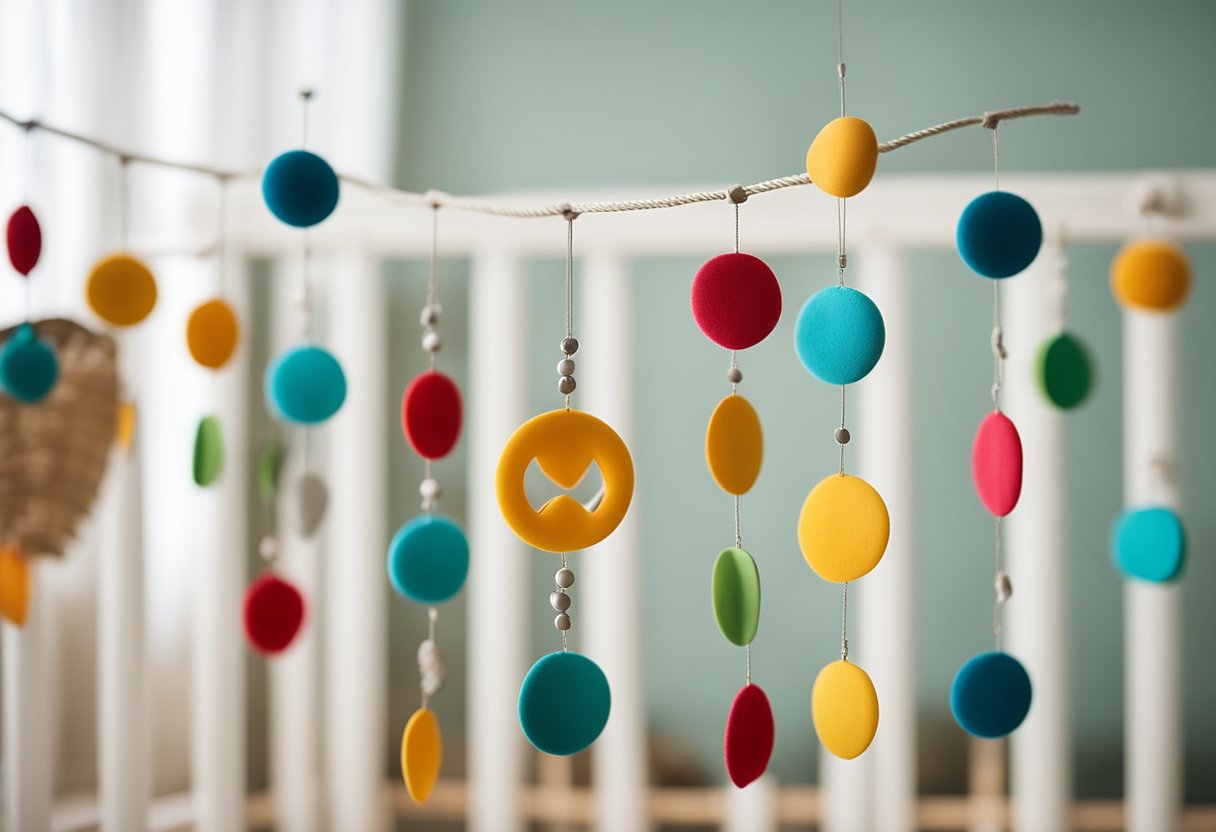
[565,367]
[430,314]
[431,342]
[560,601]
[1004,587]
[268,547]
[562,621]
[430,489]
[564,577]
[566,385]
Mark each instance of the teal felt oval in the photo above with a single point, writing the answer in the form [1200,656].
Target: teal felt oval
[1149,544]
[1064,371]
[208,451]
[990,695]
[564,703]
[305,385]
[839,335]
[28,366]
[736,593]
[428,559]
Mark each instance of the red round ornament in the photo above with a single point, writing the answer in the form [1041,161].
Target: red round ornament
[24,240]
[736,300]
[749,736]
[431,414]
[274,611]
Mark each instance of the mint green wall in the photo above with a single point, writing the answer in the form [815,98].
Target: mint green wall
[551,93]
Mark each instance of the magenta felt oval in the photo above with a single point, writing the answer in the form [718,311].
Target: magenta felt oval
[749,736]
[996,463]
[736,300]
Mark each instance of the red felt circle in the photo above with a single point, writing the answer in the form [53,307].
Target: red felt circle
[24,239]
[736,300]
[274,611]
[431,414]
[749,736]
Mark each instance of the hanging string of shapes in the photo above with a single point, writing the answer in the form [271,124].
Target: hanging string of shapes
[483,205]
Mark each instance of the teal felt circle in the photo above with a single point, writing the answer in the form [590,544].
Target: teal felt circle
[1149,544]
[1064,371]
[564,703]
[839,335]
[305,385]
[28,366]
[736,594]
[300,188]
[428,559]
[999,234]
[990,695]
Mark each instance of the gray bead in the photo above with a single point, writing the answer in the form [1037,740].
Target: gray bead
[565,367]
[564,577]
[1004,588]
[842,436]
[430,314]
[562,621]
[569,346]
[734,375]
[431,342]
[560,601]
[566,385]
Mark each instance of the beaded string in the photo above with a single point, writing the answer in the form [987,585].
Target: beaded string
[1002,587]
[559,599]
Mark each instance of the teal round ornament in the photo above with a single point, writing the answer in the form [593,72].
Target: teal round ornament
[736,594]
[1149,544]
[305,385]
[428,559]
[300,188]
[564,703]
[839,335]
[990,695]
[999,234]
[1064,371]
[28,366]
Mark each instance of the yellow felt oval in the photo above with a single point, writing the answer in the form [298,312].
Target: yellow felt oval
[734,445]
[121,290]
[1150,274]
[844,707]
[843,528]
[124,426]
[211,333]
[14,586]
[843,157]
[421,754]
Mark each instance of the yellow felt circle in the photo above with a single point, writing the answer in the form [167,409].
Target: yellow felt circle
[843,528]
[564,443]
[1151,274]
[844,707]
[121,290]
[421,754]
[14,586]
[843,157]
[211,333]
[734,445]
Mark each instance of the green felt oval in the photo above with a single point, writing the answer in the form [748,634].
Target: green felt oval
[1064,370]
[269,463]
[736,591]
[208,451]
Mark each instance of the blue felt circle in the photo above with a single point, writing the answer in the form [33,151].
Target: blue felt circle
[28,366]
[999,234]
[300,188]
[564,703]
[428,559]
[1149,544]
[305,385]
[991,695]
[839,335]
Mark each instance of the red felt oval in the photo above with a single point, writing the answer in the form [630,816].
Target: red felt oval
[24,239]
[736,300]
[274,611]
[749,736]
[431,413]
[996,463]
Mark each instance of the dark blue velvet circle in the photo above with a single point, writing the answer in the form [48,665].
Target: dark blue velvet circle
[305,385]
[300,188]
[999,234]
[28,366]
[564,703]
[428,559]
[991,695]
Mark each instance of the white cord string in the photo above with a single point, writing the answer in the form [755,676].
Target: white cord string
[844,622]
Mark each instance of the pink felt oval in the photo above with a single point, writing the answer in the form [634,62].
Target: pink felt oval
[996,463]
[749,736]
[24,238]
[736,300]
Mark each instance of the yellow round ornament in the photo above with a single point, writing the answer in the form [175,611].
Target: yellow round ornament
[844,707]
[734,445]
[421,754]
[211,333]
[843,528]
[15,586]
[1152,275]
[121,290]
[843,157]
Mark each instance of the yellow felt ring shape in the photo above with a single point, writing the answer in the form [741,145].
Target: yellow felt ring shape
[211,333]
[843,528]
[844,707]
[564,443]
[421,754]
[734,445]
[121,290]
[1152,275]
[843,157]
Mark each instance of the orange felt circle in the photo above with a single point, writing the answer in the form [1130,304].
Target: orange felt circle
[843,528]
[211,333]
[1152,275]
[564,443]
[15,588]
[421,754]
[734,445]
[121,290]
[842,159]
